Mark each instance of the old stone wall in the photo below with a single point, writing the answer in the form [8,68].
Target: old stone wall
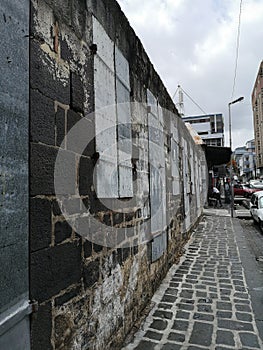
[116,181]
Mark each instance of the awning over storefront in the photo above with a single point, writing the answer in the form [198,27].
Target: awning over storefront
[217,155]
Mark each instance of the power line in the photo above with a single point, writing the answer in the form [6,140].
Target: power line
[237,49]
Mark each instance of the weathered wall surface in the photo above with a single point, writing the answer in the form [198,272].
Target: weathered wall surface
[148,185]
[14,101]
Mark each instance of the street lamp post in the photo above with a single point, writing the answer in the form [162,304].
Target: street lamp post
[230,144]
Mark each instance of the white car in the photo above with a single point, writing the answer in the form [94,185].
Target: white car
[256,208]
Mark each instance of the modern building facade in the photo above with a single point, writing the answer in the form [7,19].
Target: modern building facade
[209,126]
[257,100]
[245,158]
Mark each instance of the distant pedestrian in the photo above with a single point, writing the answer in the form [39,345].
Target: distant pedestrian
[217,196]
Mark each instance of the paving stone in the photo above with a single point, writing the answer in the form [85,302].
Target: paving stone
[163,314]
[249,339]
[208,274]
[188,294]
[187,280]
[187,301]
[223,305]
[241,295]
[201,334]
[201,294]
[234,325]
[177,279]
[244,308]
[186,286]
[213,289]
[185,306]
[145,345]
[243,316]
[225,286]
[180,325]
[224,314]
[192,276]
[224,280]
[170,346]
[179,274]
[173,284]
[165,306]
[184,269]
[182,314]
[213,284]
[222,275]
[237,276]
[210,279]
[225,337]
[177,337]
[153,335]
[205,301]
[204,308]
[225,292]
[238,283]
[200,286]
[240,289]
[168,298]
[203,317]
[225,298]
[160,325]
[241,301]
[171,291]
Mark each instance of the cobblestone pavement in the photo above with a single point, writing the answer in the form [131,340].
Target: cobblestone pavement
[203,303]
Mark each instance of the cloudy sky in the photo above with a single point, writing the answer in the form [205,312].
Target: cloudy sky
[193,43]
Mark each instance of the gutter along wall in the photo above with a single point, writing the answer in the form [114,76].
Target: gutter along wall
[101,242]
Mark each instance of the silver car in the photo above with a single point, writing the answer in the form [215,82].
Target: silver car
[256,208]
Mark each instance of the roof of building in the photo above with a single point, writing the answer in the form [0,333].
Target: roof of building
[202,116]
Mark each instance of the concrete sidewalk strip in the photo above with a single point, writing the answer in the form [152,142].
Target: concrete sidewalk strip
[203,303]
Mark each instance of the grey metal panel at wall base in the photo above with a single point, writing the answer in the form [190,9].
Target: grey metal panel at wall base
[17,337]
[14,116]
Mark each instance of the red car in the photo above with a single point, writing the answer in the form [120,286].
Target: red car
[242,190]
[247,190]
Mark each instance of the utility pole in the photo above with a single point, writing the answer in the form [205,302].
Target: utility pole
[231,158]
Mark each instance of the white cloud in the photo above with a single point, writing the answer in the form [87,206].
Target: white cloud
[194,43]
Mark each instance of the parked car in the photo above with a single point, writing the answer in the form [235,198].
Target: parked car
[242,190]
[255,187]
[257,184]
[256,208]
